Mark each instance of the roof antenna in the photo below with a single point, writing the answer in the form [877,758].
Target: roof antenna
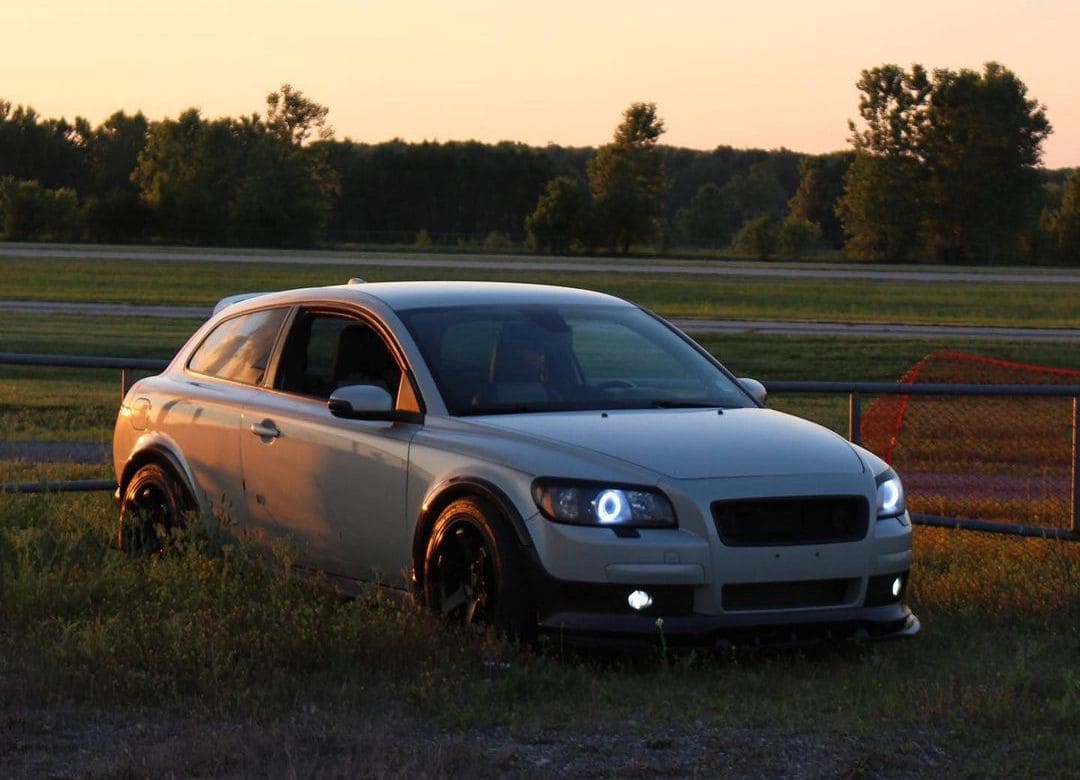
[357,280]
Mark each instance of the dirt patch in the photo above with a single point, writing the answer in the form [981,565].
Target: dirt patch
[72,739]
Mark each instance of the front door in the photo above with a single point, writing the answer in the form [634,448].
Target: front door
[331,491]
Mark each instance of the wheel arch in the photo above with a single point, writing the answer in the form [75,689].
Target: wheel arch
[444,494]
[162,455]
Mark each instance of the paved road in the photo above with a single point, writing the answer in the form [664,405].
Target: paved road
[359,260]
[699,326]
[56,451]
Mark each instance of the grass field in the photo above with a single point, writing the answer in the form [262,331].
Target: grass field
[838,300]
[203,664]
[637,256]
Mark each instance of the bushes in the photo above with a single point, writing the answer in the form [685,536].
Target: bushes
[28,211]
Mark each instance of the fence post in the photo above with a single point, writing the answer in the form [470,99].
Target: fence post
[125,382]
[854,418]
[1076,465]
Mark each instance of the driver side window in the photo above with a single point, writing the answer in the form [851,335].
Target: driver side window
[326,351]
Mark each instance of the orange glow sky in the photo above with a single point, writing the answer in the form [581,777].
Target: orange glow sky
[757,74]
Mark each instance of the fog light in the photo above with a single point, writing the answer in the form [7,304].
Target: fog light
[639,600]
[897,586]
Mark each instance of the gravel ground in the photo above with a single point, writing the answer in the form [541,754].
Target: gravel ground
[76,741]
[56,451]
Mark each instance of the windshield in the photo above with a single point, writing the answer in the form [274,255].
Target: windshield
[513,359]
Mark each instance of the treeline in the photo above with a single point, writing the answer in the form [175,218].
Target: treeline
[280,179]
[253,180]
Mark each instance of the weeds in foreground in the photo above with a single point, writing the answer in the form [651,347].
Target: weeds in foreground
[997,657]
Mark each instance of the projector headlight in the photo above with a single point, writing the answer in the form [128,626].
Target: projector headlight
[890,495]
[589,503]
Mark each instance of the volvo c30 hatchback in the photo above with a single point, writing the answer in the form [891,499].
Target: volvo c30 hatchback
[534,458]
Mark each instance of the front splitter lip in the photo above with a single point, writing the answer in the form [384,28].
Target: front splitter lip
[894,621]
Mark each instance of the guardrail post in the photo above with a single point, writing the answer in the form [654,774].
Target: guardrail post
[1076,466]
[854,418]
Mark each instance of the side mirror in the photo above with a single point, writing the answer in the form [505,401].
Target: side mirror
[756,390]
[362,402]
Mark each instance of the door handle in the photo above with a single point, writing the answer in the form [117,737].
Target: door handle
[266,429]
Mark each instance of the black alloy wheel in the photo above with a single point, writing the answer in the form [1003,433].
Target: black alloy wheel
[153,508]
[474,571]
[464,575]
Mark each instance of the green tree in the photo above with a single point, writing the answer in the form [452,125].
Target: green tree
[114,211]
[821,183]
[706,221]
[1064,223]
[283,193]
[236,180]
[758,237]
[29,211]
[49,151]
[880,210]
[628,181]
[755,194]
[294,118]
[981,143]
[188,174]
[560,216]
[947,164]
[797,235]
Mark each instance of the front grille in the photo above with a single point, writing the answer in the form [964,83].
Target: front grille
[783,521]
[787,595]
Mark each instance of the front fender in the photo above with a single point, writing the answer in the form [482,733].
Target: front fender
[442,494]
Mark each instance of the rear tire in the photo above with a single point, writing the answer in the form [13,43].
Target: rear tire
[153,507]
[474,571]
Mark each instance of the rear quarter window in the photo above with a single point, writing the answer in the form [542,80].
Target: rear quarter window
[239,348]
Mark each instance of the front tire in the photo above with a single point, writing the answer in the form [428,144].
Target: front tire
[474,572]
[153,507]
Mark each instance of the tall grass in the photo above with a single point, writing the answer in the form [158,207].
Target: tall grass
[205,625]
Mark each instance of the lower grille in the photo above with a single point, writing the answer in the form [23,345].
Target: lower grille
[668,600]
[789,521]
[788,595]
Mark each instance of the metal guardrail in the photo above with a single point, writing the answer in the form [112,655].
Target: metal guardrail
[125,365]
[854,391]
[69,486]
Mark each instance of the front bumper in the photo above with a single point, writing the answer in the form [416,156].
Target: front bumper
[709,589]
[861,624]
[593,613]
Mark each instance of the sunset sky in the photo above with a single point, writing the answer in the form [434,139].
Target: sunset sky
[758,74]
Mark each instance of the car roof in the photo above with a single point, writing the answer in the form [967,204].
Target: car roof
[418,295]
[401,296]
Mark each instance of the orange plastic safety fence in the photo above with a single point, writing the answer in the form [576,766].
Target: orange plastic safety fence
[1006,458]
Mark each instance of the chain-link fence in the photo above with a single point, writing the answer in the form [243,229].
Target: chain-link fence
[980,443]
[1004,458]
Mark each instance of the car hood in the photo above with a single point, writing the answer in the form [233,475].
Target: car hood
[695,443]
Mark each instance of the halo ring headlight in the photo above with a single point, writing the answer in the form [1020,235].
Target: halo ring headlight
[890,495]
[576,502]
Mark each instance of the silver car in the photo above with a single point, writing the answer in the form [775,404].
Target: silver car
[534,458]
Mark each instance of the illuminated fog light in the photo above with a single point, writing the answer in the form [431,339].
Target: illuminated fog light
[611,507]
[639,600]
[897,586]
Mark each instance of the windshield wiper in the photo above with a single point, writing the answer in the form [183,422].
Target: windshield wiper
[670,403]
